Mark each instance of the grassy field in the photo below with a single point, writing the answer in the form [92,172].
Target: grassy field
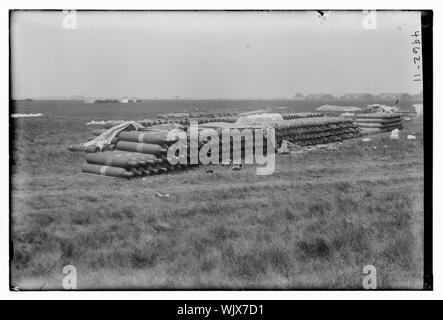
[315,223]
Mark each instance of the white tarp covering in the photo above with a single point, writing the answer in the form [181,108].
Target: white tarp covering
[383,108]
[259,118]
[328,107]
[418,108]
[26,115]
[95,122]
[106,137]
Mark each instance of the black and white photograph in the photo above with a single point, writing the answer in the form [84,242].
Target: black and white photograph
[220,150]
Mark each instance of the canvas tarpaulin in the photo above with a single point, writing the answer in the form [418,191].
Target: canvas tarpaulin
[106,137]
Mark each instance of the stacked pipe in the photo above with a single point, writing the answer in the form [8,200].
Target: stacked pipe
[222,117]
[228,149]
[289,116]
[378,122]
[121,164]
[137,153]
[309,131]
[177,115]
[313,131]
[183,121]
[230,118]
[153,122]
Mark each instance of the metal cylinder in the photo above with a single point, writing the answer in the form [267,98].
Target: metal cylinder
[148,158]
[76,148]
[151,137]
[106,171]
[135,172]
[92,149]
[111,159]
[151,169]
[160,168]
[141,147]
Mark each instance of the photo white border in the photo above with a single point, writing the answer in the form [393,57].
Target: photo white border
[435,5]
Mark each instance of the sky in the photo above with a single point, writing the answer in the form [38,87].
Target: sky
[211,55]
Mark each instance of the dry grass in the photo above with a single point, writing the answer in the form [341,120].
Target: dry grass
[314,223]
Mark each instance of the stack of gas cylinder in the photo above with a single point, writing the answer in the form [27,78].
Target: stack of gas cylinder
[229,118]
[313,131]
[182,121]
[370,123]
[145,151]
[298,115]
[136,153]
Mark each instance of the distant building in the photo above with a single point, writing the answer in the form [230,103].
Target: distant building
[320,96]
[106,101]
[299,96]
[357,96]
[124,100]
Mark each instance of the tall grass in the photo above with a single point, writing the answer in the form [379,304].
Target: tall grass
[315,223]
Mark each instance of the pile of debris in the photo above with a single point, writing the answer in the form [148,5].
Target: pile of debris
[370,123]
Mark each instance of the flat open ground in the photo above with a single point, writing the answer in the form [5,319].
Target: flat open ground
[315,223]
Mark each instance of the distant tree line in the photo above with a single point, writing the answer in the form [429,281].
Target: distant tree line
[360,96]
